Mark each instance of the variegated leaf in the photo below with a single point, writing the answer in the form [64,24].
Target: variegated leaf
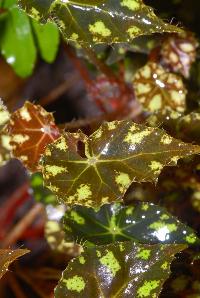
[98,21]
[55,235]
[120,270]
[4,137]
[4,114]
[117,154]
[179,52]
[31,128]
[7,256]
[159,90]
[142,222]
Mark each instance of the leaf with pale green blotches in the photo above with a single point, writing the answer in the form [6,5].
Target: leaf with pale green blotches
[142,222]
[98,21]
[117,154]
[7,256]
[159,90]
[118,270]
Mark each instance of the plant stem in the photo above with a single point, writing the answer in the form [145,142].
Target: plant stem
[103,68]
[22,225]
[13,283]
[59,90]
[78,65]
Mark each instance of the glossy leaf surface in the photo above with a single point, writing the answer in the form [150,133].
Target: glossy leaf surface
[31,128]
[98,21]
[158,90]
[7,256]
[27,37]
[142,222]
[117,154]
[17,43]
[179,52]
[118,270]
[47,37]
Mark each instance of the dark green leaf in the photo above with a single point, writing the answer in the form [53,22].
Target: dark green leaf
[7,256]
[98,21]
[117,154]
[141,222]
[17,43]
[118,270]
[47,37]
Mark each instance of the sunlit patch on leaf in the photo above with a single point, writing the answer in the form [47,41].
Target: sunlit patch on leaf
[142,222]
[118,270]
[31,128]
[7,256]
[117,154]
[179,52]
[4,114]
[55,235]
[93,22]
[158,90]
[5,148]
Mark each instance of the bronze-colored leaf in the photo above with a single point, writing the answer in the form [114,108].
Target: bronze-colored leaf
[120,270]
[31,128]
[179,52]
[98,21]
[117,154]
[7,256]
[159,90]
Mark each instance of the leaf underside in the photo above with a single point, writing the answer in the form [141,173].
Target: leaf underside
[7,256]
[142,222]
[117,154]
[118,270]
[93,22]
